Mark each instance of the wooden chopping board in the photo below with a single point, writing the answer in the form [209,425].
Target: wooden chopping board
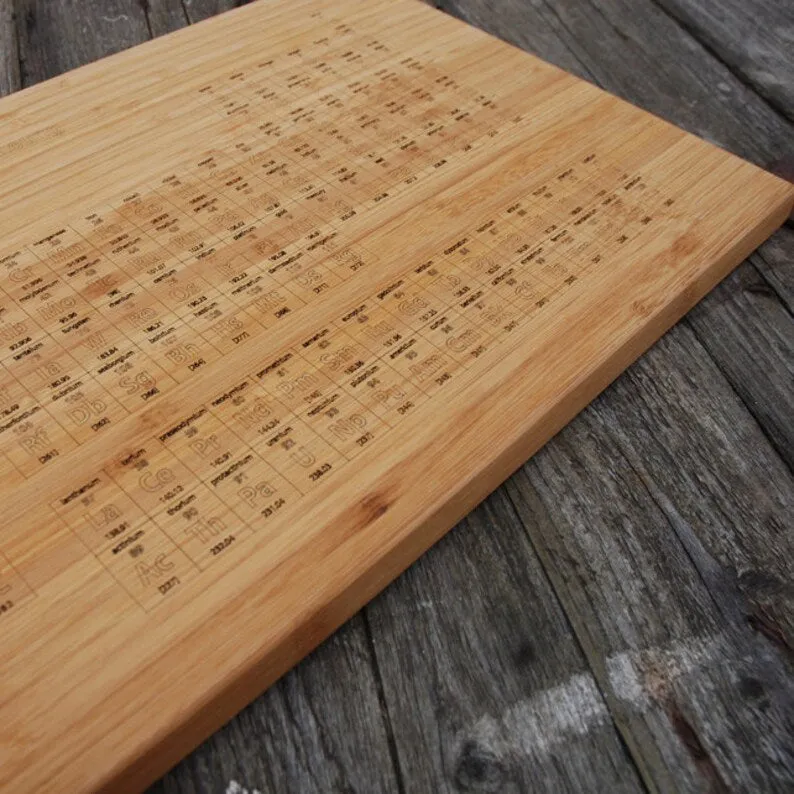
[285,295]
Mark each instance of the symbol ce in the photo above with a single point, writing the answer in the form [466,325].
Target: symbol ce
[151,481]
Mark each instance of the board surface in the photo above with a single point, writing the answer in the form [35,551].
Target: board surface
[275,315]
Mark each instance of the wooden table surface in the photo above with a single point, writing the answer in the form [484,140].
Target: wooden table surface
[619,616]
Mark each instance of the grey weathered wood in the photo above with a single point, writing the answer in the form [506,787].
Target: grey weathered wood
[755,40]
[203,9]
[708,466]
[164,16]
[9,55]
[57,36]
[318,730]
[689,667]
[486,686]
[775,260]
[750,333]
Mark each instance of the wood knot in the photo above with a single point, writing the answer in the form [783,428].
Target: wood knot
[761,289]
[525,654]
[478,769]
[687,735]
[684,245]
[751,688]
[756,583]
[761,621]
[690,739]
[374,506]
[358,516]
[643,308]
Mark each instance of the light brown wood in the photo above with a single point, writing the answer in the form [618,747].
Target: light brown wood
[277,313]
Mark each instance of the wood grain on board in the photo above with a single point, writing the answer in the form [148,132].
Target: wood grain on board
[276,316]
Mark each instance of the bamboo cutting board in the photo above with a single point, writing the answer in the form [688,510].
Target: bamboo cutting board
[286,294]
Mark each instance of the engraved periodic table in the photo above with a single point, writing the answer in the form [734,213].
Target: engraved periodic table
[284,295]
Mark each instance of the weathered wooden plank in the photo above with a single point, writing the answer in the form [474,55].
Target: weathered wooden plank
[754,39]
[671,635]
[750,334]
[57,36]
[9,54]
[678,420]
[320,729]
[163,16]
[774,260]
[197,10]
[486,687]
[751,340]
